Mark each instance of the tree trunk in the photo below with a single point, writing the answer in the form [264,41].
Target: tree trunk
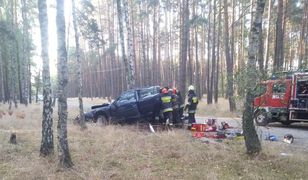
[302,36]
[37,85]
[208,80]
[25,53]
[154,47]
[81,119]
[229,61]
[112,45]
[127,63]
[63,149]
[306,37]
[47,143]
[232,37]
[131,78]
[197,81]
[182,73]
[213,75]
[270,4]
[2,95]
[29,83]
[218,55]
[278,61]
[260,56]
[252,142]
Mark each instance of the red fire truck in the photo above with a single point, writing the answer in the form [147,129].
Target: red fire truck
[283,98]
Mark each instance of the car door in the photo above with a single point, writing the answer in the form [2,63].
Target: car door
[126,106]
[148,99]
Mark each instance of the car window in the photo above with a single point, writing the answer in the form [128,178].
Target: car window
[279,88]
[127,97]
[260,89]
[147,92]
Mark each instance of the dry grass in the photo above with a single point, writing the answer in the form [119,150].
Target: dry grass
[122,152]
[220,109]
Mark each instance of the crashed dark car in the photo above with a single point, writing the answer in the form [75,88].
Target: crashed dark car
[129,107]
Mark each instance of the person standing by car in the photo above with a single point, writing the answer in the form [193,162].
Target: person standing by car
[192,104]
[166,106]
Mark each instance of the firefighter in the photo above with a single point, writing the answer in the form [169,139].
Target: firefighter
[192,104]
[166,106]
[175,106]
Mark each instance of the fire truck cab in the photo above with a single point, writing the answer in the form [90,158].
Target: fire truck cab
[282,99]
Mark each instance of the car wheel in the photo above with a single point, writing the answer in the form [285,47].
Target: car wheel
[261,118]
[102,120]
[284,119]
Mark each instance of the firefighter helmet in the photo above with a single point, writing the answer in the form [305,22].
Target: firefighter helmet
[191,88]
[164,91]
[174,90]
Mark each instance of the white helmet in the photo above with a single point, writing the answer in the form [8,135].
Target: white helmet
[191,88]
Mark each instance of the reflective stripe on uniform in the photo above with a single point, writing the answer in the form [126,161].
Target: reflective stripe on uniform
[194,99]
[166,99]
[191,111]
[167,110]
[175,106]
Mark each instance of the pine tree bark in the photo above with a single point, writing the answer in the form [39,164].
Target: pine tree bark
[208,67]
[303,32]
[213,72]
[154,47]
[184,48]
[197,81]
[47,143]
[81,119]
[269,15]
[2,95]
[26,53]
[63,148]
[306,39]
[260,56]
[144,58]
[253,145]
[112,45]
[216,91]
[29,83]
[232,37]
[279,61]
[229,62]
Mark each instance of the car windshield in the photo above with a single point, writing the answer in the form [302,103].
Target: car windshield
[147,92]
[279,88]
[128,96]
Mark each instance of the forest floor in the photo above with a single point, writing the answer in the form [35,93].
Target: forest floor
[124,152]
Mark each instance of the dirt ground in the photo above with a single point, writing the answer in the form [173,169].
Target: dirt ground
[126,152]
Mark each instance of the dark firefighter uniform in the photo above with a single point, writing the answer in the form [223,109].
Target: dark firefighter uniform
[192,105]
[166,105]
